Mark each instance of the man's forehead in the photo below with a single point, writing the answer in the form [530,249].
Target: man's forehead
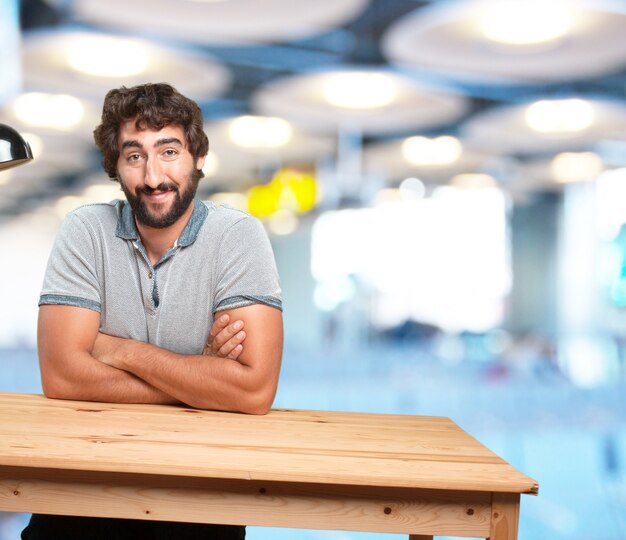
[130,131]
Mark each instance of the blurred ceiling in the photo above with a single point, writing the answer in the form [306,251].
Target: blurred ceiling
[371,92]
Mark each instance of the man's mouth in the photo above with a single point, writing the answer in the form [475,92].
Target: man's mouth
[159,193]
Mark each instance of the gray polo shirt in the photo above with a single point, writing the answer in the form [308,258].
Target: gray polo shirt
[222,259]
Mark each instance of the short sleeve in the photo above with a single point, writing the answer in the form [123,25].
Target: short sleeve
[246,271]
[71,278]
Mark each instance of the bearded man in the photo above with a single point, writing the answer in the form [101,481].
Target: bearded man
[146,300]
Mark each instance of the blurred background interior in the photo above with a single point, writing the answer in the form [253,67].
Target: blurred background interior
[443,182]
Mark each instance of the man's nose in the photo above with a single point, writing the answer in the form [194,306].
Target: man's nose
[153,174]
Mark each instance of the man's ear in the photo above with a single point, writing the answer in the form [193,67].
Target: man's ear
[200,162]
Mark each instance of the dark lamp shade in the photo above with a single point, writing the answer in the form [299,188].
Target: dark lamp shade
[14,150]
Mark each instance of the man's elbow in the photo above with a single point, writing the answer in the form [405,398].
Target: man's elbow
[260,404]
[54,382]
[55,387]
[257,399]
[257,404]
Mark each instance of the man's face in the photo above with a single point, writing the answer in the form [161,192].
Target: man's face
[157,173]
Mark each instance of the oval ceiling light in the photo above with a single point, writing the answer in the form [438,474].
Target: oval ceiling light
[576,166]
[525,22]
[88,64]
[367,100]
[219,22]
[531,128]
[260,132]
[359,90]
[107,56]
[437,152]
[502,42]
[57,111]
[560,116]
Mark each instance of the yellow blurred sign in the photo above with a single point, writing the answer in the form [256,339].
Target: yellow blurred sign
[289,189]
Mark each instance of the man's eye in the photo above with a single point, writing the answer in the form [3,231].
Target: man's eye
[133,157]
[170,152]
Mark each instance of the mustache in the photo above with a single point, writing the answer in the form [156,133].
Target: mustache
[163,186]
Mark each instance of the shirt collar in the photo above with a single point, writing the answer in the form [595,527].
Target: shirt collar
[127,229]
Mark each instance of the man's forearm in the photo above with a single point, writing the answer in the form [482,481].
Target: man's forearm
[201,381]
[95,381]
[246,383]
[66,338]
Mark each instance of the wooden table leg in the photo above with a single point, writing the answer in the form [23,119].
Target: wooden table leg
[504,516]
[420,537]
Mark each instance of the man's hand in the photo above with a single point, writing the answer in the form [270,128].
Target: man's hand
[225,340]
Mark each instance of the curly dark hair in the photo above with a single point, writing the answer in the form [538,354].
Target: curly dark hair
[153,106]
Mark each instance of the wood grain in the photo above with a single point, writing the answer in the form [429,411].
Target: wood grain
[504,516]
[292,446]
[415,475]
[239,502]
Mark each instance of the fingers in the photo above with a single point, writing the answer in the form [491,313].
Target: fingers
[225,340]
[225,335]
[234,354]
[218,325]
[229,348]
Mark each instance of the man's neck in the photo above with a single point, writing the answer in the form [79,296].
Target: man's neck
[157,242]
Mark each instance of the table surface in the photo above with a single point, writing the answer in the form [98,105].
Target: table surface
[316,447]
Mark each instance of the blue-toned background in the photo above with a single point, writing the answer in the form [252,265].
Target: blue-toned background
[443,183]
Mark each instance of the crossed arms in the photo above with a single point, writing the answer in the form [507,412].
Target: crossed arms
[78,362]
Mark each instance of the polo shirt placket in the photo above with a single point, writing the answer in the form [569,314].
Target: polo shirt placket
[149,273]
[127,230]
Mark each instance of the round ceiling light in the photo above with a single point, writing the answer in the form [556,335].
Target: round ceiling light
[106,56]
[219,22]
[88,64]
[576,166]
[510,41]
[58,111]
[260,132]
[359,90]
[560,116]
[358,99]
[525,22]
[437,152]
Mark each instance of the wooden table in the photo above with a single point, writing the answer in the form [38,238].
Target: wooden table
[416,475]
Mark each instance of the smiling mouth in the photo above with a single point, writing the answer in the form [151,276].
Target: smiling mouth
[158,194]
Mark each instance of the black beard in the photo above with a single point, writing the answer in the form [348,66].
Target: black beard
[179,207]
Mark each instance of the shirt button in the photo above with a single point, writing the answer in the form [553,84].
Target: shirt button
[149,275]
